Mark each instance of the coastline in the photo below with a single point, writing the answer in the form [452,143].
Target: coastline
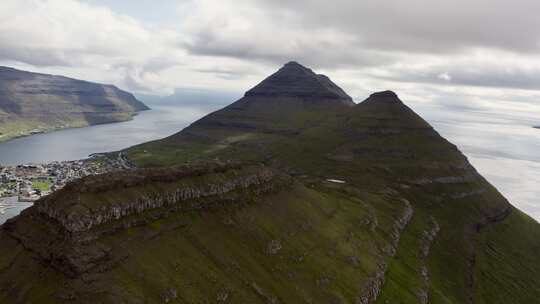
[11,207]
[130,116]
[22,185]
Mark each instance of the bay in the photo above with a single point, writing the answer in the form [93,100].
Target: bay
[79,143]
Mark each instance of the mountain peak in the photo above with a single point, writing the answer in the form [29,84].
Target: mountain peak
[296,80]
[387,97]
[294,64]
[387,104]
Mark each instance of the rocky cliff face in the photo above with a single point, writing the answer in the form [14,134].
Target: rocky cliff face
[39,102]
[75,218]
[77,210]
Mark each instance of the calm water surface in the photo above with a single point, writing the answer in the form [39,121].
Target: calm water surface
[79,143]
[502,146]
[72,144]
[10,207]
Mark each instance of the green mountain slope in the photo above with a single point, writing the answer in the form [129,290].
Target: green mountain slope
[32,102]
[281,197]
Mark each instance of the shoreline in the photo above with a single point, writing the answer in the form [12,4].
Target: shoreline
[56,129]
[10,207]
[22,185]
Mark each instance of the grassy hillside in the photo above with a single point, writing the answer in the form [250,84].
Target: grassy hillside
[385,143]
[34,103]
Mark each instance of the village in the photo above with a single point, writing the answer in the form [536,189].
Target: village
[29,182]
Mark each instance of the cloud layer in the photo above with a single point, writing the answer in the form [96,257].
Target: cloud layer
[413,46]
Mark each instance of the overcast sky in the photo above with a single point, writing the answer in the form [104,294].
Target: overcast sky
[461,53]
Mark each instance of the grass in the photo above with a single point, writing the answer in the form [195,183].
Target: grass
[42,184]
[332,238]
[328,149]
[508,265]
[203,255]
[14,127]
[225,250]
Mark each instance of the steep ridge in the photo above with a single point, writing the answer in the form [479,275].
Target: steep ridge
[437,178]
[361,203]
[33,102]
[295,80]
[284,104]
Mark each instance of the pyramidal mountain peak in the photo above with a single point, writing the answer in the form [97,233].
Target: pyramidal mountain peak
[386,99]
[387,104]
[384,96]
[295,80]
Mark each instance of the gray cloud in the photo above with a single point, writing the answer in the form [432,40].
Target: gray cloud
[514,77]
[423,25]
[235,43]
[414,26]
[69,33]
[36,57]
[224,73]
[318,53]
[373,34]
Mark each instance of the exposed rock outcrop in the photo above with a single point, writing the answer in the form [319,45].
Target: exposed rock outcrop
[80,213]
[77,210]
[374,284]
[490,217]
[425,245]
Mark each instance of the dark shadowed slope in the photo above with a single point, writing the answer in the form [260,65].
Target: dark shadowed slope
[289,101]
[327,203]
[32,102]
[295,80]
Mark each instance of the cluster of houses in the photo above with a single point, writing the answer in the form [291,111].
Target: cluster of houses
[29,182]
[21,180]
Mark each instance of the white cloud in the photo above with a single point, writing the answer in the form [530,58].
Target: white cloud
[445,76]
[410,47]
[66,33]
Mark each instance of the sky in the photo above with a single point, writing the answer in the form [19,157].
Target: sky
[479,54]
[471,67]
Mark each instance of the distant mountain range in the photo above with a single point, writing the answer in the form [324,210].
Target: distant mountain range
[291,194]
[35,103]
